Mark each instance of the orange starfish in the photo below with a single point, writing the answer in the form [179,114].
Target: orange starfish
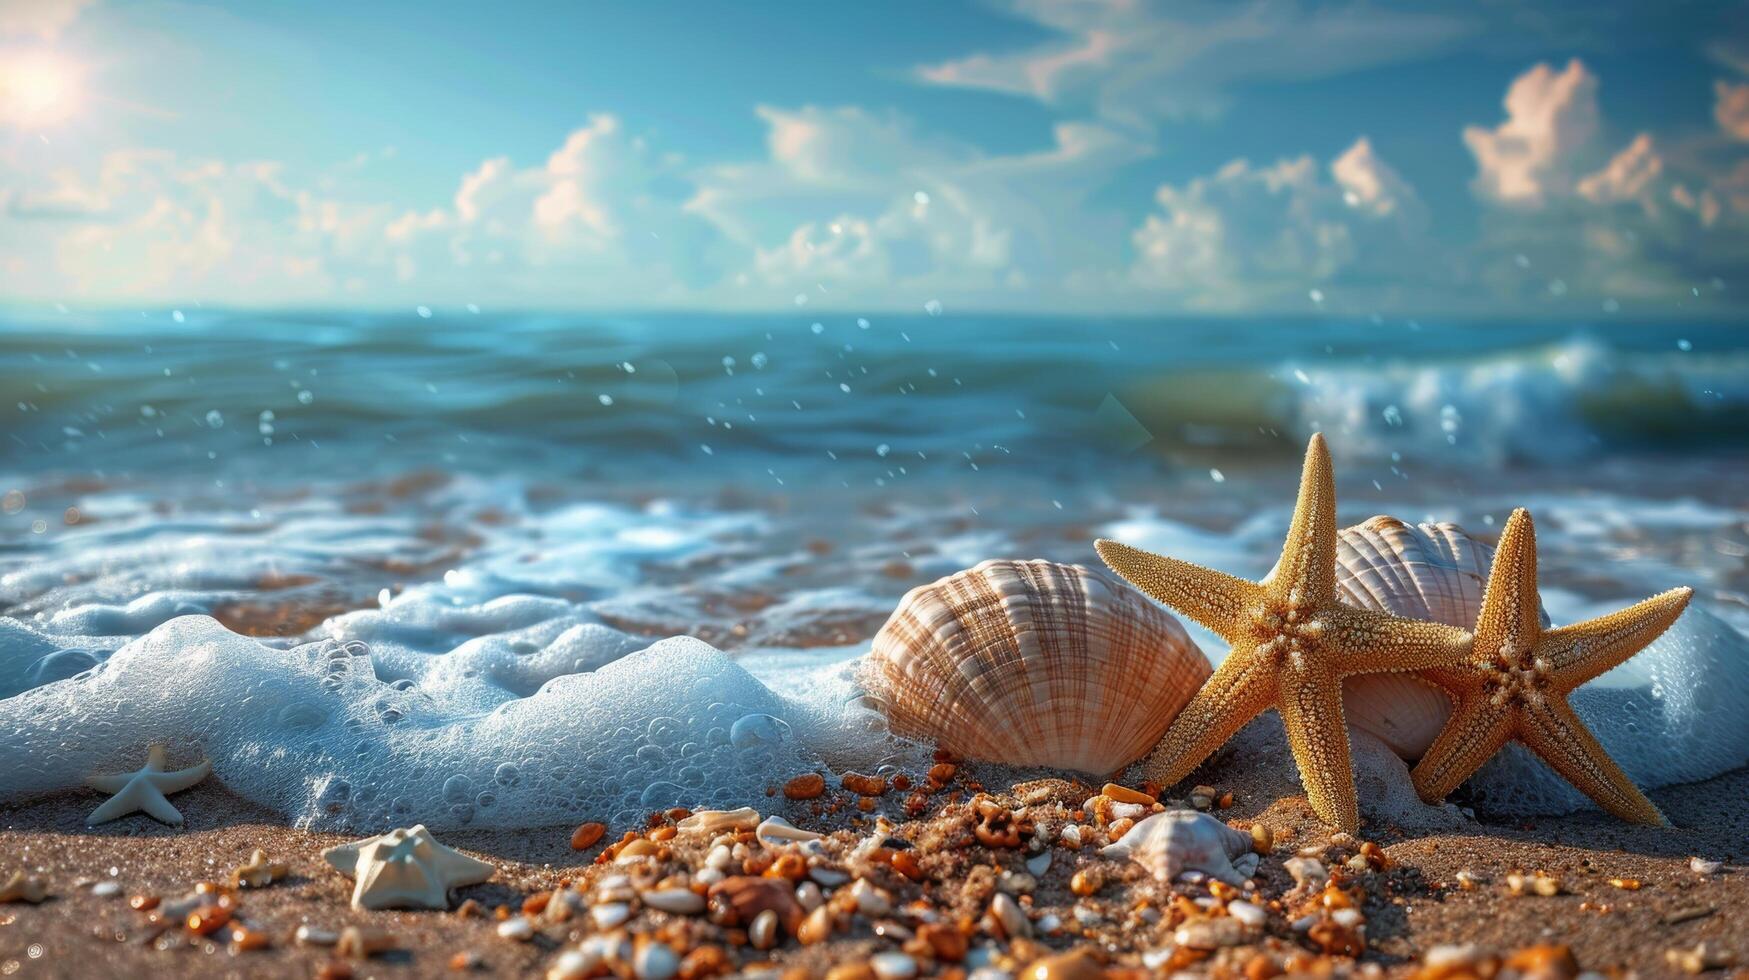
[1516,683]
[1293,643]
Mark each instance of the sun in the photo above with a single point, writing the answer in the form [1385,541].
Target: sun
[38,89]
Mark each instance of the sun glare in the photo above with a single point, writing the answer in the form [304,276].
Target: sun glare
[38,89]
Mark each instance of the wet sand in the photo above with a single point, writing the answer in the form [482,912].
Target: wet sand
[1414,903]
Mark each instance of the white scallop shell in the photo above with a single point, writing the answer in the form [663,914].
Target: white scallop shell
[1172,842]
[1434,572]
[1034,663]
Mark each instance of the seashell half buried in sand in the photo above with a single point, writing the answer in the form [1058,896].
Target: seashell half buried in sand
[1032,663]
[1434,572]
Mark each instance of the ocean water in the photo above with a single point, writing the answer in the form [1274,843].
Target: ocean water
[383,566]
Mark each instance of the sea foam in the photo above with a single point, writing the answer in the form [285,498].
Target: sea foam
[316,734]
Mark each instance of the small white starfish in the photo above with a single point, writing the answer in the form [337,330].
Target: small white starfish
[405,868]
[145,789]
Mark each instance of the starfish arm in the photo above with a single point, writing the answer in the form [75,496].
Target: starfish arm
[1215,599]
[1366,642]
[115,807]
[1311,711]
[1577,653]
[1239,690]
[1306,573]
[111,783]
[181,779]
[1510,614]
[1472,735]
[1552,731]
[154,805]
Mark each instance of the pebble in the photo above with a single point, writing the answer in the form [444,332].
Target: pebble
[572,964]
[586,835]
[517,929]
[807,786]
[718,821]
[680,901]
[1306,869]
[656,961]
[1248,915]
[1127,811]
[870,900]
[1209,934]
[106,889]
[893,966]
[720,857]
[809,896]
[1123,794]
[1701,866]
[610,914]
[1451,956]
[1701,958]
[816,928]
[1078,964]
[1014,883]
[763,933]
[1071,837]
[363,943]
[312,936]
[829,877]
[1009,917]
[1039,865]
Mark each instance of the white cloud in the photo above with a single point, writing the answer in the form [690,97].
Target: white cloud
[1139,62]
[1546,142]
[1731,108]
[872,211]
[1248,236]
[44,19]
[1644,222]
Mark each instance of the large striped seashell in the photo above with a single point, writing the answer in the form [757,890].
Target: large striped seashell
[1435,572]
[1034,663]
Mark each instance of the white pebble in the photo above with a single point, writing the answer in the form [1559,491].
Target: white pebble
[1071,836]
[572,964]
[1039,865]
[1249,915]
[829,877]
[680,901]
[312,936]
[1131,811]
[609,915]
[719,858]
[106,889]
[809,896]
[893,966]
[656,961]
[709,876]
[518,929]
[870,901]
[1702,866]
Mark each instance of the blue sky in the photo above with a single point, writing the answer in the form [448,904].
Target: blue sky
[1127,157]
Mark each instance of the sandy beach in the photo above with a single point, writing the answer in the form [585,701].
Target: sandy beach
[1624,900]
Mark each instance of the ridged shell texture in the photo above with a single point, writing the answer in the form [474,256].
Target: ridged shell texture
[1034,663]
[1435,572]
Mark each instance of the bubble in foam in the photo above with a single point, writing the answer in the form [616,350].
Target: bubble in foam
[574,746]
